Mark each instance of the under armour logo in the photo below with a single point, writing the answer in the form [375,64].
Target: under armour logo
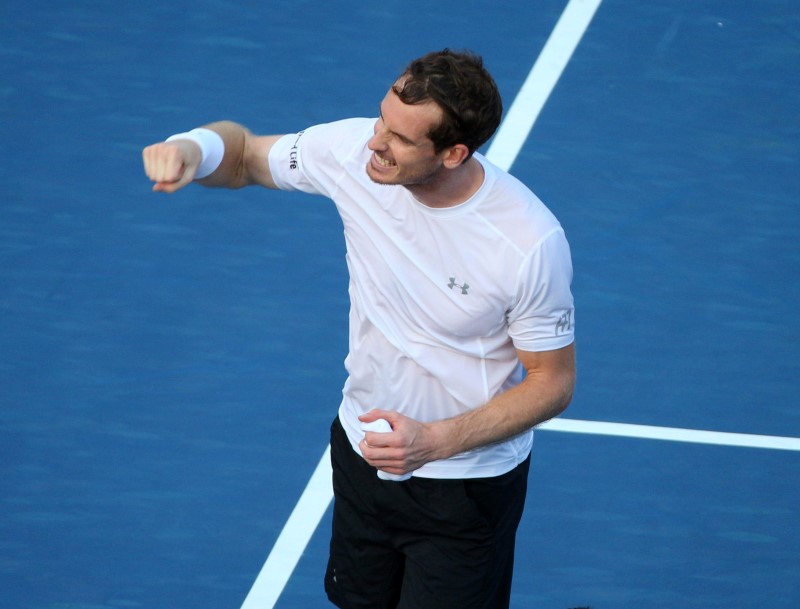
[453,284]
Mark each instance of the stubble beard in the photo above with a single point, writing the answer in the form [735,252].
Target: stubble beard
[423,179]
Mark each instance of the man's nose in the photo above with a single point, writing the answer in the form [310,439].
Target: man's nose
[379,139]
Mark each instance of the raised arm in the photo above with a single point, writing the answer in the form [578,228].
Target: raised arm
[227,154]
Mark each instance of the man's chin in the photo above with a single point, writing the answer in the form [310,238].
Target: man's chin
[378,178]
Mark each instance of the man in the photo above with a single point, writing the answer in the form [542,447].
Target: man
[461,329]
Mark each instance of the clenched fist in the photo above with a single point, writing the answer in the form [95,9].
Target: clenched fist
[171,165]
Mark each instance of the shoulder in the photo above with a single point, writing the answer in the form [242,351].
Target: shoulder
[332,144]
[513,210]
[311,159]
[339,133]
[322,138]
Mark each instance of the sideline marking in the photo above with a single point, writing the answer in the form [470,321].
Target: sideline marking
[293,539]
[672,434]
[541,80]
[505,147]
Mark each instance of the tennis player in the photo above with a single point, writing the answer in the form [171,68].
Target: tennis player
[461,329]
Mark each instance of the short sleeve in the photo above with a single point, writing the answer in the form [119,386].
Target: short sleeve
[543,316]
[285,167]
[311,161]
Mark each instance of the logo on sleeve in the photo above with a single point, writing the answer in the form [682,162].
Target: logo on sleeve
[293,152]
[564,323]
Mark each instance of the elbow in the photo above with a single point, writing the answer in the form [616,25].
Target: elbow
[564,403]
[567,390]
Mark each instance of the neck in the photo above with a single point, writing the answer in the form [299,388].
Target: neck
[450,187]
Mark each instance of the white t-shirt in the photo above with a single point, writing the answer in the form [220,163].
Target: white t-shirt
[440,298]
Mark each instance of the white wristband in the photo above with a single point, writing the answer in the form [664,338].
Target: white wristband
[212,149]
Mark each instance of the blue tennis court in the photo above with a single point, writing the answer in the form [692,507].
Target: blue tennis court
[170,365]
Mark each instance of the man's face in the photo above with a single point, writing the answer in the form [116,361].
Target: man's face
[402,152]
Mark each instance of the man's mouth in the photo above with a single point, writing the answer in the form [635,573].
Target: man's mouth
[382,161]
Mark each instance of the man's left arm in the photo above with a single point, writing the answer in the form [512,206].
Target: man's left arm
[545,392]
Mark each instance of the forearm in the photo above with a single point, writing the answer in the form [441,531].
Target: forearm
[246,158]
[542,395]
[231,172]
[230,157]
[507,415]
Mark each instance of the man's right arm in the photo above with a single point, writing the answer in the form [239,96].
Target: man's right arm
[245,162]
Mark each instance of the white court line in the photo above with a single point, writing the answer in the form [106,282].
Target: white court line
[504,149]
[674,434]
[540,82]
[505,146]
[293,539]
[318,494]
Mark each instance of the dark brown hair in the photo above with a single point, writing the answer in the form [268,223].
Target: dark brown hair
[465,91]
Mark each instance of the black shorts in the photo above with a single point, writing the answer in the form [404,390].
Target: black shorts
[420,544]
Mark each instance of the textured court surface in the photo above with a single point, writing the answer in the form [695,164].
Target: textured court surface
[169,365]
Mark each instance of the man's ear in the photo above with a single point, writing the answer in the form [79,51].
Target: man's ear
[455,156]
